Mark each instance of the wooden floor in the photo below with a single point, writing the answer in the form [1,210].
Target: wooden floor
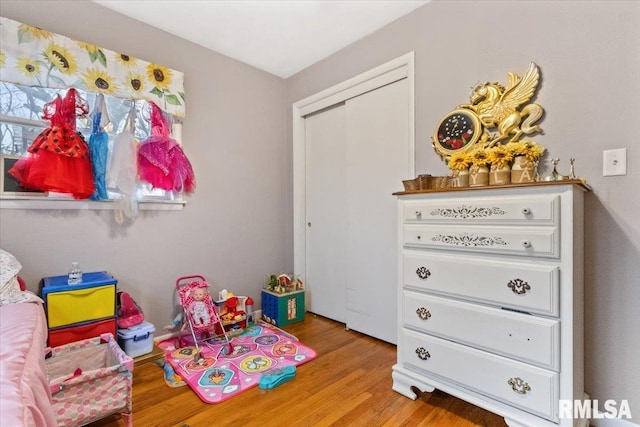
[348,384]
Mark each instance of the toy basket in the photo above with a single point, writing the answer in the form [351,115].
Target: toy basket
[89,380]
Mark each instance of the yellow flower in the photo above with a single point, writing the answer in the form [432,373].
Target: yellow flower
[34,32]
[3,59]
[126,59]
[459,162]
[500,156]
[28,66]
[90,48]
[99,80]
[135,82]
[531,150]
[60,58]
[479,157]
[517,148]
[159,75]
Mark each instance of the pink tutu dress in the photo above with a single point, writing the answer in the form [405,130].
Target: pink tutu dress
[161,161]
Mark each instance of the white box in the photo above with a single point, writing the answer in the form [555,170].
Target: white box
[137,340]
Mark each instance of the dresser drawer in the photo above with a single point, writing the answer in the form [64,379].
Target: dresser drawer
[522,241]
[521,286]
[527,387]
[515,210]
[524,337]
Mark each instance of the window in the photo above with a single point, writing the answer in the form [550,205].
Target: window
[32,56]
[20,123]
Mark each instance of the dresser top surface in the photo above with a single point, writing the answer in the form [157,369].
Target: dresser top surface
[575,182]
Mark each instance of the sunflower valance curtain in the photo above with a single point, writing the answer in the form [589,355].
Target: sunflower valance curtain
[31,56]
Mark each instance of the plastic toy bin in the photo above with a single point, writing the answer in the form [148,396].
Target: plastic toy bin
[283,309]
[89,380]
[81,331]
[93,299]
[137,340]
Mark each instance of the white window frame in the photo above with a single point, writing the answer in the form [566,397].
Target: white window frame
[66,202]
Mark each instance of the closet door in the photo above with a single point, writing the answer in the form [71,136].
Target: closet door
[357,154]
[326,204]
[377,162]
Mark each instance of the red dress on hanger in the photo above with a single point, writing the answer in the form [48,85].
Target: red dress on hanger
[58,159]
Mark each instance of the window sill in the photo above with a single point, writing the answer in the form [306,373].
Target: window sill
[30,202]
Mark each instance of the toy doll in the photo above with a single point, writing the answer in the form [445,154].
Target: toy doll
[198,308]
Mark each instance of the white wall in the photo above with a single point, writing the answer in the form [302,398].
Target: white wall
[232,230]
[589,56]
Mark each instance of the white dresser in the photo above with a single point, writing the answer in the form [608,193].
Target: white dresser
[490,298]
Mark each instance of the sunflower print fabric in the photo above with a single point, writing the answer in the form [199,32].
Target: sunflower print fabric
[31,56]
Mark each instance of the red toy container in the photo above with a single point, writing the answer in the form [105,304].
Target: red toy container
[83,331]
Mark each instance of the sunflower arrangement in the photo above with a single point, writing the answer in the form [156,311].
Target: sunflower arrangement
[478,157]
[500,156]
[529,149]
[459,162]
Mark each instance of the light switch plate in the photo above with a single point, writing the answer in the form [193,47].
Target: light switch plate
[614,162]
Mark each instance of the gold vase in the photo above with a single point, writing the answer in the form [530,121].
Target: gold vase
[500,175]
[460,178]
[523,170]
[478,176]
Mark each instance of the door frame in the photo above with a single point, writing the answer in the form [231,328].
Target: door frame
[394,70]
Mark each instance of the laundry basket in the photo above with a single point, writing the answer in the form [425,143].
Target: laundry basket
[89,380]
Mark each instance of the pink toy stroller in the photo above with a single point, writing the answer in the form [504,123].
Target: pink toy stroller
[200,314]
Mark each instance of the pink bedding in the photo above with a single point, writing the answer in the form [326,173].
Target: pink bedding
[25,399]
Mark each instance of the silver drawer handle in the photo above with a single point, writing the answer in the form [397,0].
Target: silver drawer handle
[526,244]
[423,273]
[418,214]
[423,313]
[526,211]
[422,353]
[518,385]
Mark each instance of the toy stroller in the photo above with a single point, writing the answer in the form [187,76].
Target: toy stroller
[200,314]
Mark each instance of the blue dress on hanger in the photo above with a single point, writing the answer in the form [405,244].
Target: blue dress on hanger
[99,148]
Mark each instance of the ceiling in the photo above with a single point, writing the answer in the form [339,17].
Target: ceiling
[281,37]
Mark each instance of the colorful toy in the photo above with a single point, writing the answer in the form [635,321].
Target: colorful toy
[251,319]
[172,379]
[200,315]
[283,283]
[275,377]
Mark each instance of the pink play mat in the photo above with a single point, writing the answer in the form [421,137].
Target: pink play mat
[220,376]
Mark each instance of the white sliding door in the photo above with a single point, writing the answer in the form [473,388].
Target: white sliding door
[377,153]
[326,206]
[352,149]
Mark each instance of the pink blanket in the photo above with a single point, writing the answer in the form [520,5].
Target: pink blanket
[25,399]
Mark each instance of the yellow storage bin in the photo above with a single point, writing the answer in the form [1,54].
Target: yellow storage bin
[93,299]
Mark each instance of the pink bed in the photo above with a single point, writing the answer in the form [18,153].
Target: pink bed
[25,399]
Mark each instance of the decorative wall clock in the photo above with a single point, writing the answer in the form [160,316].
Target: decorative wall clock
[457,132]
[496,114]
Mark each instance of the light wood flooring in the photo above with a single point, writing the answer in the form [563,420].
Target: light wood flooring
[348,384]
